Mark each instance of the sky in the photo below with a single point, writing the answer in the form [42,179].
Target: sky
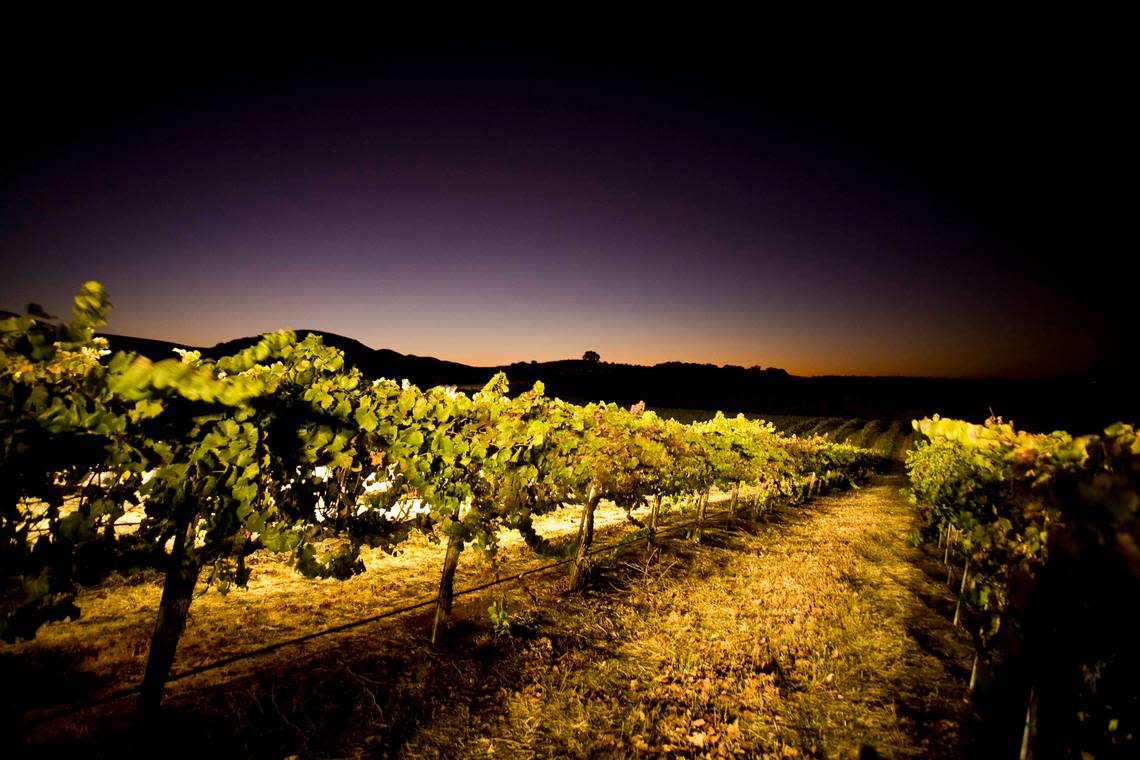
[935,203]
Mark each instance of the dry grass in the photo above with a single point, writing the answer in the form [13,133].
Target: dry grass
[812,634]
[108,643]
[798,639]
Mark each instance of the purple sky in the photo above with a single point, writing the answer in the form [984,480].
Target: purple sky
[841,206]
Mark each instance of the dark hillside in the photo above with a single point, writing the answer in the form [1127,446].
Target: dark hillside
[1080,405]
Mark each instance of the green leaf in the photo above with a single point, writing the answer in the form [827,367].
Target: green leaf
[366,419]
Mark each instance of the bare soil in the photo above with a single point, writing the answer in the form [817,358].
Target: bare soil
[818,630]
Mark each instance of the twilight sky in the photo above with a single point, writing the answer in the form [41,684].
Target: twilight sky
[929,204]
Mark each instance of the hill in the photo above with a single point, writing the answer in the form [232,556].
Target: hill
[1076,404]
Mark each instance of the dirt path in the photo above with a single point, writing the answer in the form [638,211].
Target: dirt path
[818,631]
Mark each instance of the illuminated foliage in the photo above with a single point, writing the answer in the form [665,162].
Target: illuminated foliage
[189,464]
[1048,526]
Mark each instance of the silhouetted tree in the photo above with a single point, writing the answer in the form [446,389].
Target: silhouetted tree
[591,356]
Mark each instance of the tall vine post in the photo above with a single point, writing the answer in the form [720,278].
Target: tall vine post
[585,539]
[702,509]
[173,609]
[446,595]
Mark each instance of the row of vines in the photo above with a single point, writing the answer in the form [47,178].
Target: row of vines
[1044,535]
[189,464]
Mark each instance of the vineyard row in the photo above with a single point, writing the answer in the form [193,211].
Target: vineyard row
[188,465]
[1045,533]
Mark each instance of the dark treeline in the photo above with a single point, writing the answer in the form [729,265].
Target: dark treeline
[1080,405]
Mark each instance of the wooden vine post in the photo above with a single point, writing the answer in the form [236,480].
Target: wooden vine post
[1029,732]
[961,591]
[702,508]
[177,592]
[732,502]
[585,538]
[446,594]
[654,516]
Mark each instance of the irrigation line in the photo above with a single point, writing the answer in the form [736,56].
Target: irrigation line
[116,524]
[123,693]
